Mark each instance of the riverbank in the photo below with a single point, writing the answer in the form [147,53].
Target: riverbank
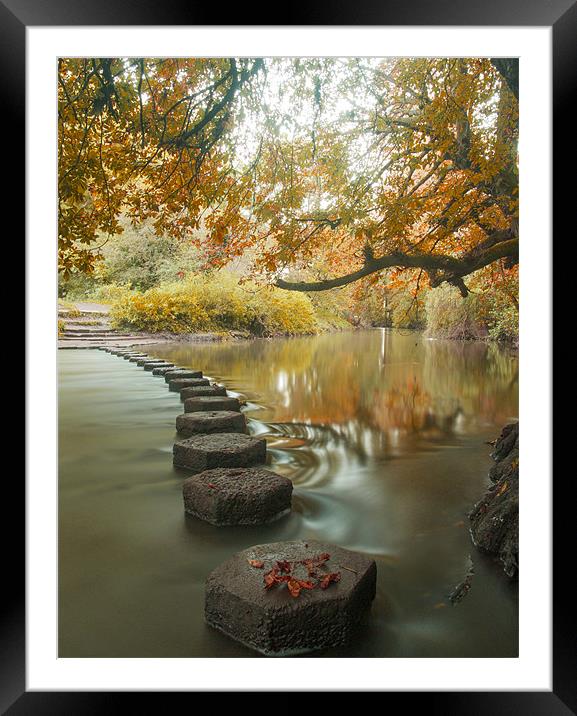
[88,324]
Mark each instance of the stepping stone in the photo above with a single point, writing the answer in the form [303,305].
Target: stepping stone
[274,622]
[199,391]
[206,452]
[151,365]
[212,421]
[127,356]
[237,496]
[135,359]
[182,373]
[161,370]
[179,383]
[211,402]
[141,361]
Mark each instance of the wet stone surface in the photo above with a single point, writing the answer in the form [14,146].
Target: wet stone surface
[210,402]
[206,452]
[237,496]
[273,621]
[210,421]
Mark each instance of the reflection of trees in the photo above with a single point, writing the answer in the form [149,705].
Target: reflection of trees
[392,383]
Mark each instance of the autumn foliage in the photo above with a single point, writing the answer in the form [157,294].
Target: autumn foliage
[362,165]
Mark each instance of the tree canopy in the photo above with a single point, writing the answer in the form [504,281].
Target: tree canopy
[341,166]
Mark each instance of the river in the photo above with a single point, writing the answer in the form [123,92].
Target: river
[383,434]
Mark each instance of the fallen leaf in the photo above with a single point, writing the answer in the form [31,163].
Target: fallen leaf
[294,587]
[284,566]
[256,563]
[329,578]
[306,584]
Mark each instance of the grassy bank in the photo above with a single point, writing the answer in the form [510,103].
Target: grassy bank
[200,304]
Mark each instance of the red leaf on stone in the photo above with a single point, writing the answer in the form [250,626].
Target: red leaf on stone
[214,487]
[280,578]
[256,563]
[328,578]
[269,579]
[294,587]
[284,566]
[306,584]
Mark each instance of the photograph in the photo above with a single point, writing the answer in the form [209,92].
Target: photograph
[281,337]
[288,356]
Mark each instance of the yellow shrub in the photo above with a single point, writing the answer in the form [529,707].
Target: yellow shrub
[215,303]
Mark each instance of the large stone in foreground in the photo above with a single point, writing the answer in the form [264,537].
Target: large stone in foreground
[206,452]
[237,496]
[211,402]
[179,383]
[276,623]
[201,391]
[210,421]
[181,373]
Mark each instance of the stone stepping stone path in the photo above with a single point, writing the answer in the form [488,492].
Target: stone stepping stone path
[211,402]
[237,496]
[210,421]
[206,452]
[280,599]
[275,622]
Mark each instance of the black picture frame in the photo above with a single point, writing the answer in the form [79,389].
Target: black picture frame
[561,15]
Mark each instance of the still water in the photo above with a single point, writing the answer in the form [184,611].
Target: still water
[383,435]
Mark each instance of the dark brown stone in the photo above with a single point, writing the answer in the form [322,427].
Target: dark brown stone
[182,373]
[200,391]
[211,402]
[276,623]
[495,518]
[157,364]
[237,496]
[178,384]
[206,452]
[161,370]
[211,421]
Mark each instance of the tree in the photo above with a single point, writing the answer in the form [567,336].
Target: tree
[405,165]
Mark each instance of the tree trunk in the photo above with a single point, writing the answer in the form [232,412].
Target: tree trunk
[495,519]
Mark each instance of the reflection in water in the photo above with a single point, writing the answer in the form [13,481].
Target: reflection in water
[382,433]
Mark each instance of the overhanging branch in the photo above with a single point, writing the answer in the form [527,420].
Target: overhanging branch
[445,268]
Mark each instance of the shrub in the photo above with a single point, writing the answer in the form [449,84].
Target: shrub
[215,302]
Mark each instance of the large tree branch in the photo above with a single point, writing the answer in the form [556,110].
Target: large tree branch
[443,268]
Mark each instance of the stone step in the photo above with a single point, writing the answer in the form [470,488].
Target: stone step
[296,596]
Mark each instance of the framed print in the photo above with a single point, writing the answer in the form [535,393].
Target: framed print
[308,234]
